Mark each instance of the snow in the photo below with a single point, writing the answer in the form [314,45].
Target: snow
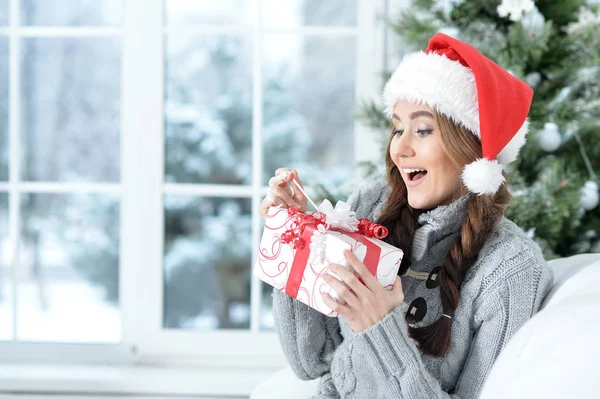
[75,313]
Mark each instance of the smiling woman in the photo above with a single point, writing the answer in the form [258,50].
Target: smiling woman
[417,149]
[469,278]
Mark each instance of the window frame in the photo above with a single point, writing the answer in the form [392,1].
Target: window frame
[142,190]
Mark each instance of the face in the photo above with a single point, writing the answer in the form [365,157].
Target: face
[430,176]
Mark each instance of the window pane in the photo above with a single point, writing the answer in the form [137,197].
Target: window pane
[6,314]
[3,12]
[308,106]
[266,308]
[70,109]
[208,110]
[4,108]
[69,268]
[207,11]
[207,263]
[71,12]
[285,14]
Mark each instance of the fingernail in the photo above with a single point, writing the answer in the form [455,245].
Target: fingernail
[270,197]
[275,180]
[284,174]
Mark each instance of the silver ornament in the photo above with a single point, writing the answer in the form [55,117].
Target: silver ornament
[549,138]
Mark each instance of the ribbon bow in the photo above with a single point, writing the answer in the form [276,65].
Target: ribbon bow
[328,217]
[342,218]
[301,220]
[370,229]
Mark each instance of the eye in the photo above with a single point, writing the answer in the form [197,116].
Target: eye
[398,132]
[423,132]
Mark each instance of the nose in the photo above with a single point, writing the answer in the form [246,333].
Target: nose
[403,145]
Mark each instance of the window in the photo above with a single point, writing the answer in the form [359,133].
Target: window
[138,139]
[60,170]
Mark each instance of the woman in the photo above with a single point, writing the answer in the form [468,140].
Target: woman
[469,279]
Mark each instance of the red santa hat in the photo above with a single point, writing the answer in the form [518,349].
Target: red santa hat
[456,80]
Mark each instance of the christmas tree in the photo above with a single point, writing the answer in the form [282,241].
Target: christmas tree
[554,46]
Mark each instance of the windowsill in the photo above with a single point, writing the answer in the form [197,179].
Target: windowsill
[130,379]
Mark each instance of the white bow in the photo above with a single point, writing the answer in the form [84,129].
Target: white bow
[340,217]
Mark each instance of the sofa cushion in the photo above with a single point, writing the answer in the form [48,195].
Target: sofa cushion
[557,353]
[285,385]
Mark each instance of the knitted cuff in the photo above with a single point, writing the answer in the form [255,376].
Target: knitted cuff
[387,344]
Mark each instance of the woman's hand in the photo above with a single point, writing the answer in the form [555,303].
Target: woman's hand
[362,303]
[283,192]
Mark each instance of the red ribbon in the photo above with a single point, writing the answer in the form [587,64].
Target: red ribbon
[301,231]
[300,221]
[370,229]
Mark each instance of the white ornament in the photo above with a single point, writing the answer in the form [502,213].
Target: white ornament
[514,9]
[533,78]
[549,137]
[589,195]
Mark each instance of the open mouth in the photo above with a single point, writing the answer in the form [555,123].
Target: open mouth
[415,174]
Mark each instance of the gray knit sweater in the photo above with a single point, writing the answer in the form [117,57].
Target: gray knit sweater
[503,289]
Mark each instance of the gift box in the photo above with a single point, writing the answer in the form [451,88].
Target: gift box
[296,249]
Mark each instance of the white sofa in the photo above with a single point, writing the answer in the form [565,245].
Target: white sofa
[554,355]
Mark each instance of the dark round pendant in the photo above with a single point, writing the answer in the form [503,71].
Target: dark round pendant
[416,311]
[433,280]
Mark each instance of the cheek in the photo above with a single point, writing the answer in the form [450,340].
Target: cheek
[394,150]
[453,178]
[448,175]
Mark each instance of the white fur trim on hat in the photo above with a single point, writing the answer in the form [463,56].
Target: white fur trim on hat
[511,150]
[445,85]
[483,176]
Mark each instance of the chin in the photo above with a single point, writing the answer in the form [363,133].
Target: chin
[420,203]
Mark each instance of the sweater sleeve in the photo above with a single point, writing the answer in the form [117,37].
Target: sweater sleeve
[396,360]
[308,338]
[369,198]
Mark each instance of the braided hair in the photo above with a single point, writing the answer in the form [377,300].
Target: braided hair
[483,214]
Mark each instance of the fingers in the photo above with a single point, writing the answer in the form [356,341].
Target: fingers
[341,308]
[397,291]
[288,175]
[264,206]
[285,173]
[296,177]
[283,192]
[283,196]
[361,270]
[348,277]
[298,196]
[346,294]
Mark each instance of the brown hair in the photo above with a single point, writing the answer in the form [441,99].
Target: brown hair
[483,213]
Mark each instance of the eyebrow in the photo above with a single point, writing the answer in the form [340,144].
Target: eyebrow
[415,115]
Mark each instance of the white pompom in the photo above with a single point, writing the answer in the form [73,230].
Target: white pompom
[549,137]
[589,195]
[483,176]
